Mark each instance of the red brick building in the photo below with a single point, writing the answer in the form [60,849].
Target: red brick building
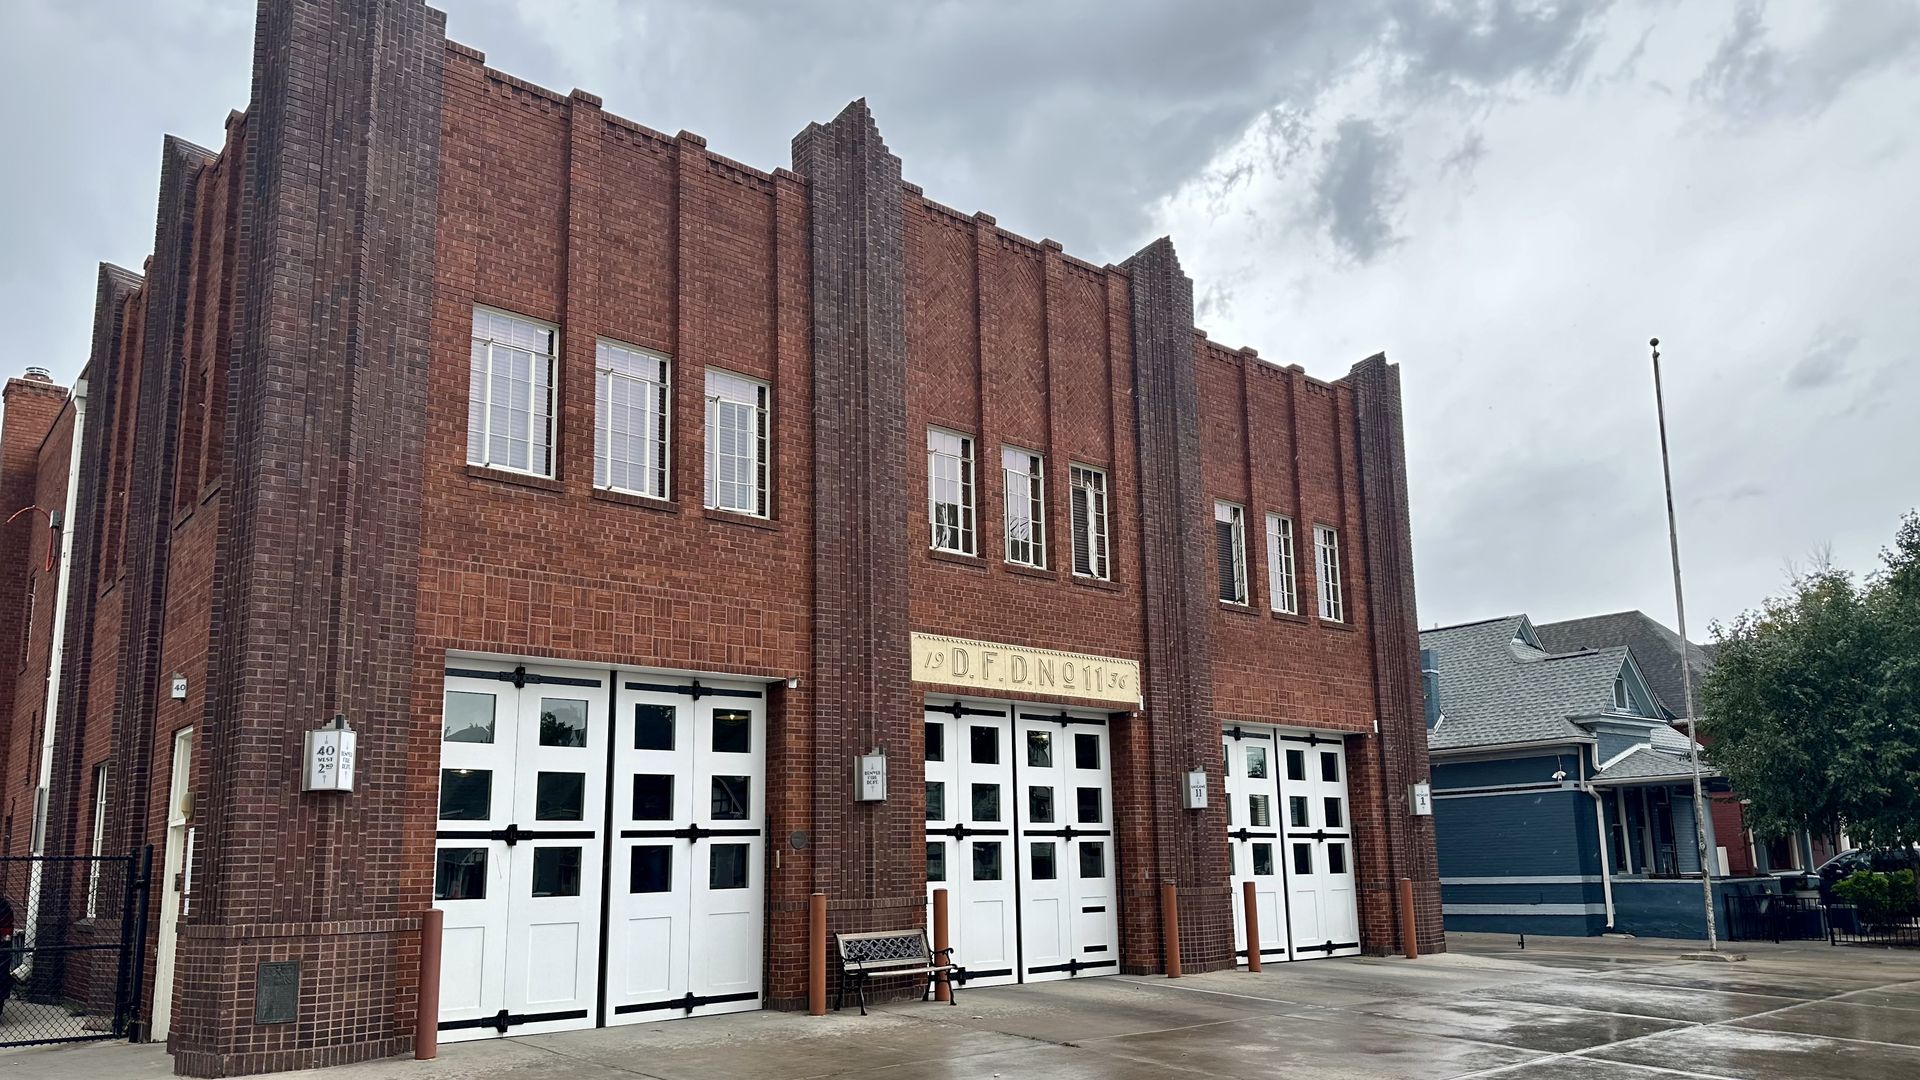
[624,499]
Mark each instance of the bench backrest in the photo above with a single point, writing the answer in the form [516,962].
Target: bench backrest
[884,949]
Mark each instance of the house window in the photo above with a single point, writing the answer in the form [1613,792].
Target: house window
[631,413]
[1282,594]
[1230,551]
[950,491]
[1620,700]
[510,394]
[1326,546]
[1026,507]
[99,837]
[736,444]
[1089,511]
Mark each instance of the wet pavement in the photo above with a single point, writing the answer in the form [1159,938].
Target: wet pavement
[1579,1009]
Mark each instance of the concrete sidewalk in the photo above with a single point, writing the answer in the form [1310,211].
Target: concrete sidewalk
[1588,1009]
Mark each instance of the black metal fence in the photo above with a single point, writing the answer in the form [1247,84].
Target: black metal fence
[1848,925]
[1774,917]
[72,931]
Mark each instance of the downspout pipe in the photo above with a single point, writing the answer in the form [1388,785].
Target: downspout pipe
[50,708]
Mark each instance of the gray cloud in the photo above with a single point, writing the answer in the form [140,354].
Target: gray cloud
[1751,79]
[1825,360]
[1359,187]
[1484,44]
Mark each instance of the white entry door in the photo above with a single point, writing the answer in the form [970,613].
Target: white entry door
[519,847]
[970,842]
[1322,905]
[176,872]
[1069,922]
[1253,839]
[686,896]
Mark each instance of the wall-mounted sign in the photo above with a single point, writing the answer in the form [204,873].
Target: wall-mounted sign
[178,689]
[276,992]
[1420,800]
[870,778]
[329,758]
[1015,669]
[1193,795]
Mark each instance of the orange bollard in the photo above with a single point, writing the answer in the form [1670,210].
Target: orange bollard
[1409,934]
[1253,926]
[942,941]
[426,1021]
[817,954]
[1170,924]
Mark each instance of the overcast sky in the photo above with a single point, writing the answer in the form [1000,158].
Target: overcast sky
[1507,197]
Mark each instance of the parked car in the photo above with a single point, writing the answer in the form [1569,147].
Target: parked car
[1883,860]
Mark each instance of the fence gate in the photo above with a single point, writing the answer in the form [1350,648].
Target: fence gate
[72,930]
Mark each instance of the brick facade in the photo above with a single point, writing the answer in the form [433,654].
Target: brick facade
[276,504]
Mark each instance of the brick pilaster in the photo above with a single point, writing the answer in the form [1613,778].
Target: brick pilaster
[862,695]
[1399,751]
[316,573]
[1179,727]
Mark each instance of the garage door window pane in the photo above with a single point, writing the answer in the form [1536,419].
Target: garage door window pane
[652,797]
[1043,868]
[937,861]
[1335,819]
[651,870]
[1263,860]
[1040,749]
[563,722]
[1090,809]
[1040,804]
[467,717]
[1297,811]
[728,867]
[653,727]
[1303,859]
[560,796]
[732,799]
[986,745]
[466,794]
[1093,860]
[1336,858]
[732,731]
[1329,767]
[1256,762]
[936,800]
[460,874]
[936,740]
[1296,764]
[556,871]
[986,861]
[986,802]
[1086,750]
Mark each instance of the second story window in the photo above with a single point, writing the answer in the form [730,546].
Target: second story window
[1026,498]
[1230,551]
[1326,547]
[510,395]
[736,443]
[950,491]
[631,410]
[1088,492]
[1282,594]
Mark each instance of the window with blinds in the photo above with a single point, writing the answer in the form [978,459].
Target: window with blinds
[950,491]
[1230,551]
[1326,545]
[1282,592]
[1088,495]
[631,410]
[510,393]
[1025,504]
[736,443]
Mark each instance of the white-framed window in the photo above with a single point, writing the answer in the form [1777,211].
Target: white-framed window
[950,491]
[510,394]
[1621,701]
[1282,591]
[1026,506]
[99,837]
[633,406]
[1230,551]
[1088,505]
[737,417]
[1326,549]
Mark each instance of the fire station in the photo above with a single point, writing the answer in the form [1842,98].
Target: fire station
[653,541]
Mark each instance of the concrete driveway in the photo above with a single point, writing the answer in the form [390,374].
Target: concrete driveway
[1582,1009]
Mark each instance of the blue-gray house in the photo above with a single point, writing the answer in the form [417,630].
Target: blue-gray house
[1563,797]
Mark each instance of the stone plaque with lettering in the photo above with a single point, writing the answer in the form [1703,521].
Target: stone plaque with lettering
[1012,670]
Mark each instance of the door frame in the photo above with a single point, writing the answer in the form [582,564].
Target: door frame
[174,868]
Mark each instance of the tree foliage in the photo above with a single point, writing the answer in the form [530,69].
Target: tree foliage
[1812,708]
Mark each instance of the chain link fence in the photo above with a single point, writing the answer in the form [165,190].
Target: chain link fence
[72,928]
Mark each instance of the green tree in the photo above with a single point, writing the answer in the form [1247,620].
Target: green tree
[1813,704]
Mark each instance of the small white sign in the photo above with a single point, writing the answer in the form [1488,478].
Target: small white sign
[179,688]
[1194,795]
[870,778]
[330,760]
[1420,800]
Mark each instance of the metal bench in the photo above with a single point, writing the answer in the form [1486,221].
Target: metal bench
[888,953]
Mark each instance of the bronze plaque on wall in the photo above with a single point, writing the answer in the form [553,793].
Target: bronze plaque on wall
[276,992]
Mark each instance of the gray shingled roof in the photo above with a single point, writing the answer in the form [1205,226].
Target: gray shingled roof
[1646,763]
[1494,692]
[1655,648]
